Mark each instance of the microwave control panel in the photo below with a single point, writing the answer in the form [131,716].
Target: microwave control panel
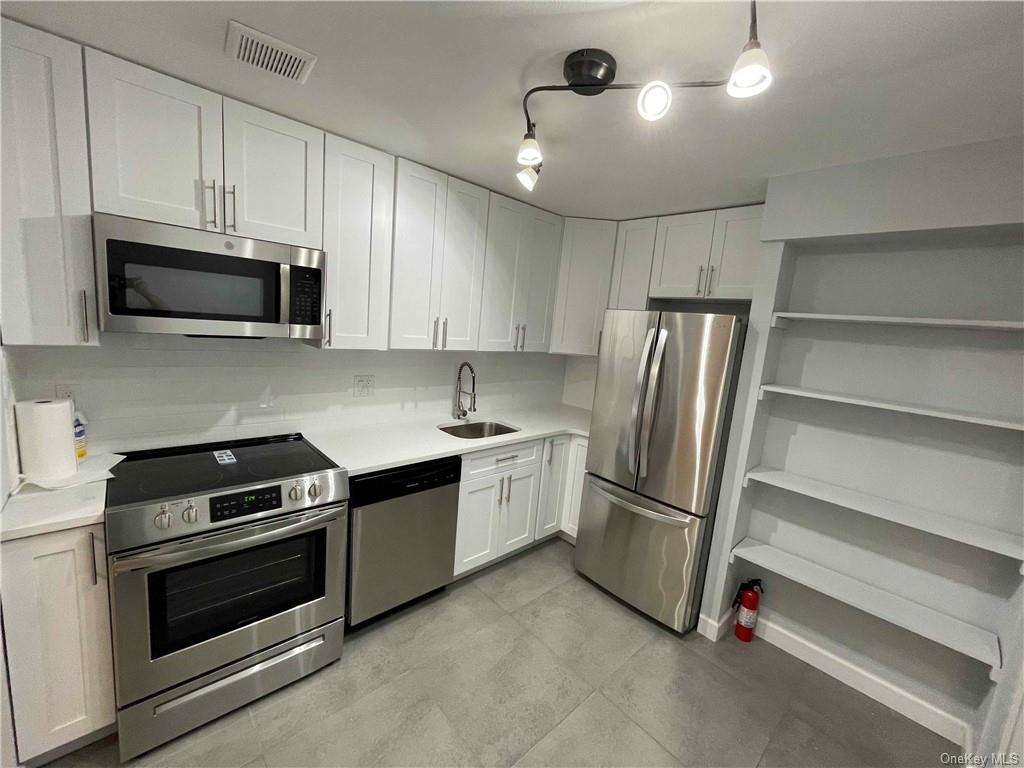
[239,504]
[305,296]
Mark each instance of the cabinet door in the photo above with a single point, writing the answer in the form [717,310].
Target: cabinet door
[57,629]
[477,532]
[574,485]
[631,275]
[519,510]
[156,145]
[588,249]
[462,270]
[544,245]
[505,269]
[359,187]
[49,294]
[735,252]
[552,485]
[273,177]
[681,251]
[420,203]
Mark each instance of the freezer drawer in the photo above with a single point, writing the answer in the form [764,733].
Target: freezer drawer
[650,555]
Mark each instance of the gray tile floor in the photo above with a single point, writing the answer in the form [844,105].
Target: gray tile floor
[528,664]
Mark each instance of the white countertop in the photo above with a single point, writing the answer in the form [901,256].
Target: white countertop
[36,511]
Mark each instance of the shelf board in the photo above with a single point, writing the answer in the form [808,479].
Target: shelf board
[937,523]
[780,320]
[968,639]
[967,417]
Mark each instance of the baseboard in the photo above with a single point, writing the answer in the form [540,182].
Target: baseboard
[565,536]
[712,629]
[865,681]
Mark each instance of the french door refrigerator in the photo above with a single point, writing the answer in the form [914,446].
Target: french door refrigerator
[661,407]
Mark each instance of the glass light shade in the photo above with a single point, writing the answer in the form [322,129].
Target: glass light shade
[654,100]
[751,75]
[529,151]
[528,177]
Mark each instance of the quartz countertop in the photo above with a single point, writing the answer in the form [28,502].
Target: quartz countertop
[35,511]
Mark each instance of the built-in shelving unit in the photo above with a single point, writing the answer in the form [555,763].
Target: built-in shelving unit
[937,523]
[893,405]
[973,641]
[781,320]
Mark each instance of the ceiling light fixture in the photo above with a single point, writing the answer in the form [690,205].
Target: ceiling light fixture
[591,71]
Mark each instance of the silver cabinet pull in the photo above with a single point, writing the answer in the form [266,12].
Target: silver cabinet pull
[508,491]
[213,189]
[700,273]
[501,489]
[711,277]
[506,458]
[330,326]
[515,340]
[433,344]
[522,344]
[234,208]
[85,317]
[92,553]
[444,335]
[551,451]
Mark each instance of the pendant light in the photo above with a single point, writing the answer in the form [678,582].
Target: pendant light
[529,150]
[751,74]
[654,100]
[528,176]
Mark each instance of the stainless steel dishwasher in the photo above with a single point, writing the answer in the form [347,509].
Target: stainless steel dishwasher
[403,535]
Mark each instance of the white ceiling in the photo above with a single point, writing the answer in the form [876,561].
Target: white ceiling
[441,83]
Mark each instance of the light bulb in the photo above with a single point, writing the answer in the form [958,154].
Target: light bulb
[654,100]
[751,75]
[528,177]
[529,151]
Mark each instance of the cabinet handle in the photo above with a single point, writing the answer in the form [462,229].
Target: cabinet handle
[92,552]
[433,344]
[234,208]
[522,344]
[700,273]
[330,326]
[213,189]
[711,277]
[515,340]
[551,451]
[508,490]
[506,458]
[85,317]
[444,335]
[501,489]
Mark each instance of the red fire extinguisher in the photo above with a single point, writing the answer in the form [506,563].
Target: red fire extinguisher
[747,598]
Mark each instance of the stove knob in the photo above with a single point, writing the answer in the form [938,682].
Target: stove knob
[315,490]
[296,493]
[163,520]
[190,514]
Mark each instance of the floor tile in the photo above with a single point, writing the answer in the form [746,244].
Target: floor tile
[700,713]
[590,632]
[796,744]
[229,742]
[560,551]
[520,579]
[757,662]
[596,733]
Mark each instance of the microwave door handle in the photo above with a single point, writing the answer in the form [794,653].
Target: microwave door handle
[653,383]
[284,287]
[197,550]
[634,414]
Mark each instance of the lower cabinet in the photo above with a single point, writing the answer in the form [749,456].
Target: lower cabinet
[576,470]
[552,485]
[57,634]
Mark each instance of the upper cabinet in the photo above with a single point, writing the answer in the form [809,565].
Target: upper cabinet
[462,266]
[519,277]
[588,249]
[735,253]
[156,145]
[273,176]
[47,268]
[358,218]
[631,274]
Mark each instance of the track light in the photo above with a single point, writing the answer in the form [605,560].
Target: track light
[528,176]
[654,100]
[751,74]
[529,150]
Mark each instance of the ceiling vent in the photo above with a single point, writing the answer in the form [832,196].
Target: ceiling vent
[264,52]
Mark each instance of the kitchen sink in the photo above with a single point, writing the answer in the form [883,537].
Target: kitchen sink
[474,430]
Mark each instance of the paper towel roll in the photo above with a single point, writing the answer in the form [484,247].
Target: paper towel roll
[46,439]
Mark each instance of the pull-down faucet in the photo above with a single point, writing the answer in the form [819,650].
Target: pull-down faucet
[458,411]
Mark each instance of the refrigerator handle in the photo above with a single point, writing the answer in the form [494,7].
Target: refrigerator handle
[652,398]
[634,414]
[679,522]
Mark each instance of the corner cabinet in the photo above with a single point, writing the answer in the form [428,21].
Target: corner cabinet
[554,474]
[49,294]
[576,471]
[631,273]
[57,632]
[585,273]
[359,187]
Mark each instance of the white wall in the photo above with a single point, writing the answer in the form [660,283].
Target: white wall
[143,391]
[8,445]
[580,380]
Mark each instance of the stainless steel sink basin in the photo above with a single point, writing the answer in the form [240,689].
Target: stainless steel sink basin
[474,430]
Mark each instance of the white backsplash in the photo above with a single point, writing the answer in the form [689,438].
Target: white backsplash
[142,391]
[580,379]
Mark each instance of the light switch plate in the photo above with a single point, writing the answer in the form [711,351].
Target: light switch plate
[363,385]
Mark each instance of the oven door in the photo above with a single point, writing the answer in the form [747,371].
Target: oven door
[190,606]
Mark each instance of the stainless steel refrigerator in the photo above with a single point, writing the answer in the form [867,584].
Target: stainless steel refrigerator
[661,406]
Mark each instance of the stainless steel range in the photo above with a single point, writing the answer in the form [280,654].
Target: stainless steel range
[227,578]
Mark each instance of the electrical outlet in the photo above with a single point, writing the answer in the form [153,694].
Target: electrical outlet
[362,385]
[64,392]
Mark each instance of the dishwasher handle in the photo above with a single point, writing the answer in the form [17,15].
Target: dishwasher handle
[403,481]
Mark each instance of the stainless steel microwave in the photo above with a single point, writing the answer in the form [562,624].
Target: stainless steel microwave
[158,278]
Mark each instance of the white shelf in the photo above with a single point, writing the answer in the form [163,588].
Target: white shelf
[937,523]
[951,632]
[967,417]
[780,320]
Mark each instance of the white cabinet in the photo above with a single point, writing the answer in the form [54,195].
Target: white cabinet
[156,145]
[519,277]
[631,274]
[49,294]
[476,536]
[735,253]
[358,218]
[681,251]
[588,249]
[518,513]
[462,265]
[57,628]
[552,485]
[577,469]
[273,176]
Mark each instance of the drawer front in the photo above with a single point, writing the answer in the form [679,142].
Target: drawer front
[502,459]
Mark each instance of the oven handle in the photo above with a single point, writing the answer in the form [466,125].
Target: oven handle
[197,550]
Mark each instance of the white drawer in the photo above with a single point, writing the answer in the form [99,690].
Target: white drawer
[483,463]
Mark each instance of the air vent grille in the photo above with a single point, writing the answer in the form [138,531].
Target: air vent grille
[264,52]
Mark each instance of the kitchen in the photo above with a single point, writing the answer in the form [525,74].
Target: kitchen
[449,442]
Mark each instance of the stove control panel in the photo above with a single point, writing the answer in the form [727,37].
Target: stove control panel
[245,503]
